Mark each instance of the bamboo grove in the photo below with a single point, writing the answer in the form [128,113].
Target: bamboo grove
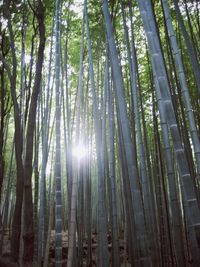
[99,133]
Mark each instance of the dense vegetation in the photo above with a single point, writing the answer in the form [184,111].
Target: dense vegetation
[99,133]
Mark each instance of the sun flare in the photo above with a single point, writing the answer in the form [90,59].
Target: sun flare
[79,151]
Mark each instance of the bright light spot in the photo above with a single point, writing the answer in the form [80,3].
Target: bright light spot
[3,21]
[79,151]
[48,169]
[77,7]
[27,59]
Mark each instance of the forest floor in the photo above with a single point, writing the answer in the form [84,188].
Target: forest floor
[4,260]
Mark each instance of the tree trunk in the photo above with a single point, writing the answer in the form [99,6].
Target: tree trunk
[28,231]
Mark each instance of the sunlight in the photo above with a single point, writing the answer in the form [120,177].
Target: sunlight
[79,151]
[27,59]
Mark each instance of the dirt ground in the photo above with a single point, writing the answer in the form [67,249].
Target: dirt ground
[5,261]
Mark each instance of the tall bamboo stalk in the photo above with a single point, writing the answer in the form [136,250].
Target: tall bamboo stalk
[58,204]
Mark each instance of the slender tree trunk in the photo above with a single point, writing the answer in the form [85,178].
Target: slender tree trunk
[2,122]
[28,231]
[74,191]
[58,202]
[36,183]
[103,259]
[113,191]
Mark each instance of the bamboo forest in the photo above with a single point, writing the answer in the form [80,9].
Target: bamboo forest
[100,133]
